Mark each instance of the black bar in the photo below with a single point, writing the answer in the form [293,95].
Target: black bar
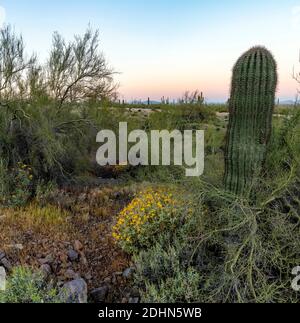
[148,312]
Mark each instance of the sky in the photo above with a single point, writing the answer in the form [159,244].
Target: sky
[165,47]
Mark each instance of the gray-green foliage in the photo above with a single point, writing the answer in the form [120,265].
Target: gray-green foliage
[164,278]
[26,286]
[182,288]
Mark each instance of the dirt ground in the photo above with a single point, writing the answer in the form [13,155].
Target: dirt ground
[70,234]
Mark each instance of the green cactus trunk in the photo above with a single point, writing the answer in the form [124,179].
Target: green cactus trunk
[251,107]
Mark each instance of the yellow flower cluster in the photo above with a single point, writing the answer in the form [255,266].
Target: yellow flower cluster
[25,168]
[135,220]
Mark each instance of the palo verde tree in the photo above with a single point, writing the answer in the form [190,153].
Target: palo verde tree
[13,65]
[78,71]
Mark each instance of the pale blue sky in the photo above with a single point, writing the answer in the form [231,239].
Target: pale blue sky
[164,47]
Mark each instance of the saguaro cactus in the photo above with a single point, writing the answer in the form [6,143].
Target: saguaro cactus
[251,107]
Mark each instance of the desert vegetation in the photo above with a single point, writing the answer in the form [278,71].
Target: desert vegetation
[144,233]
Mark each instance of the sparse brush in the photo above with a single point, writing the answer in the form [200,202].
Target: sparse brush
[26,286]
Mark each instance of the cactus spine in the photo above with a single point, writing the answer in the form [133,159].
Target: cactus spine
[251,107]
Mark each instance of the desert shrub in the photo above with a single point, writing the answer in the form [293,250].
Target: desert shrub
[183,288]
[157,263]
[4,179]
[26,286]
[44,191]
[48,117]
[22,185]
[180,116]
[249,263]
[16,185]
[163,274]
[151,212]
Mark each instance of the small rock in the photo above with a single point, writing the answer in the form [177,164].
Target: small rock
[47,260]
[17,246]
[2,279]
[6,263]
[46,271]
[107,280]
[127,273]
[73,255]
[99,294]
[2,254]
[60,283]
[133,300]
[70,274]
[62,257]
[118,273]
[78,245]
[88,276]
[83,259]
[74,291]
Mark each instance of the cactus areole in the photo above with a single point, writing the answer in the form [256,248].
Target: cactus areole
[251,106]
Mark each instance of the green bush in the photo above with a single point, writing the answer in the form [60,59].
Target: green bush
[16,187]
[26,286]
[152,212]
[164,276]
[183,288]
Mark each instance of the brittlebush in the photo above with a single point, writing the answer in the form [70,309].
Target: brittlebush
[151,212]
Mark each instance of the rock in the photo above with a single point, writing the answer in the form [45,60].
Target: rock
[6,263]
[83,259]
[78,245]
[107,280]
[2,279]
[73,255]
[88,276]
[118,273]
[133,300]
[62,257]
[2,254]
[99,294]
[70,274]
[46,271]
[17,246]
[47,260]
[74,291]
[127,273]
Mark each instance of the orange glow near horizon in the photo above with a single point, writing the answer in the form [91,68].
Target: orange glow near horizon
[213,89]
